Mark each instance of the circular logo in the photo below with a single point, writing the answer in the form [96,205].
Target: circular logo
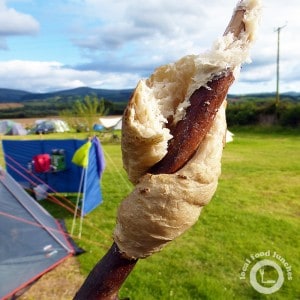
[266,285]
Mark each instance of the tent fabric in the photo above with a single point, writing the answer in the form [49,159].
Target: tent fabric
[111,122]
[99,155]
[92,195]
[90,156]
[53,125]
[229,136]
[8,127]
[32,241]
[98,127]
[19,155]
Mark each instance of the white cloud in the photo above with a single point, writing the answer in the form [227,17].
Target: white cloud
[152,22]
[13,22]
[155,32]
[122,41]
[48,76]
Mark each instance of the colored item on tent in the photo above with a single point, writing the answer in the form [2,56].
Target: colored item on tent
[40,192]
[81,156]
[32,242]
[58,160]
[42,163]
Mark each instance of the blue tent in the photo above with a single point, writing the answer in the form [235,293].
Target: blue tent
[32,242]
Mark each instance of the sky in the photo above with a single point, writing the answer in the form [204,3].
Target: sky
[50,45]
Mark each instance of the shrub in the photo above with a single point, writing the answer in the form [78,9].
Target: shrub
[261,113]
[289,115]
[242,114]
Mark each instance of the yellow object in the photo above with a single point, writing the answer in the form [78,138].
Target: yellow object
[81,156]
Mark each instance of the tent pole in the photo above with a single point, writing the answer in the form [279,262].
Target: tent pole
[77,201]
[82,206]
[81,221]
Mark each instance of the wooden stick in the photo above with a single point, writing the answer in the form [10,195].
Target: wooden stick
[190,132]
[105,280]
[107,277]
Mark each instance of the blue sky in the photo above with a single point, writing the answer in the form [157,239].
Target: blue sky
[48,45]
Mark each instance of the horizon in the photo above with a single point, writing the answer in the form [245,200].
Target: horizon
[87,87]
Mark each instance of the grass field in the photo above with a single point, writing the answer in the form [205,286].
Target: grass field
[256,209]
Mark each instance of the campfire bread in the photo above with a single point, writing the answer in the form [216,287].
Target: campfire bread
[163,206]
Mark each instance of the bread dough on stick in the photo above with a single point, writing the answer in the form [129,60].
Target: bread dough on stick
[189,132]
[163,206]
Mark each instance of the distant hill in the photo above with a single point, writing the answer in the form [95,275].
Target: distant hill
[11,95]
[241,109]
[122,95]
[265,95]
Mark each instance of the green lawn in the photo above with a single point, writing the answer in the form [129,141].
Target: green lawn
[255,209]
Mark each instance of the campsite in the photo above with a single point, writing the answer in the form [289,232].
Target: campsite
[149,150]
[255,209]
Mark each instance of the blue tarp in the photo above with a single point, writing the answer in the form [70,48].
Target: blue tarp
[19,154]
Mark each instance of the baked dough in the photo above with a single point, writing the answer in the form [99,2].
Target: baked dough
[163,206]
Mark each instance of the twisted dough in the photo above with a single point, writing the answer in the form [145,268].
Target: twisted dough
[163,206]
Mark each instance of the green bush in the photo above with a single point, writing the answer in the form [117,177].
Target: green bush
[290,115]
[242,114]
[254,113]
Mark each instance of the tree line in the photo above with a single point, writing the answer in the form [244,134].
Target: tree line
[84,111]
[286,114]
[54,106]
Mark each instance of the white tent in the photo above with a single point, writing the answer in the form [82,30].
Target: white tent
[111,122]
[229,136]
[8,127]
[47,126]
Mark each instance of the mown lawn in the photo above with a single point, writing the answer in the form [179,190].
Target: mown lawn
[255,209]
